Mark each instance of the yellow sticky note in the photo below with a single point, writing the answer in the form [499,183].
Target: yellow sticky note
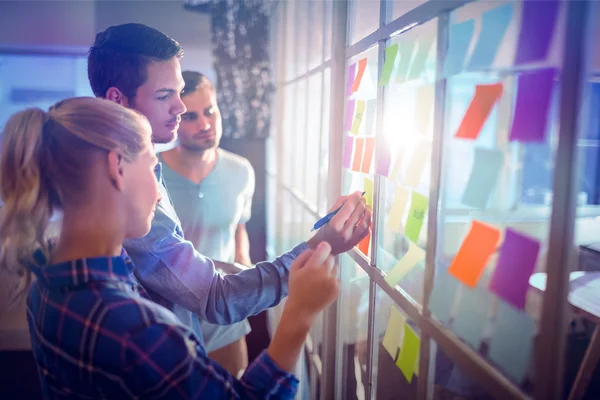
[393,332]
[397,165]
[368,188]
[358,116]
[420,158]
[425,99]
[409,353]
[406,263]
[394,221]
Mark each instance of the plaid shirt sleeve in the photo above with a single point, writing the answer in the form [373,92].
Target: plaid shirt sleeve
[166,361]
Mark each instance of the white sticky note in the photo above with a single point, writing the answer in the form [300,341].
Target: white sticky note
[419,160]
[472,315]
[393,332]
[412,257]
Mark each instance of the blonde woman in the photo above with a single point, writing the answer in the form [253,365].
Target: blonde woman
[94,332]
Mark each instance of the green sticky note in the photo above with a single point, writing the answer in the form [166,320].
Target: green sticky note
[368,188]
[423,49]
[358,116]
[406,52]
[416,215]
[388,66]
[409,353]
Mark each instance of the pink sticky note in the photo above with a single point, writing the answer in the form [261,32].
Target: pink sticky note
[350,82]
[384,159]
[516,263]
[349,115]
[347,158]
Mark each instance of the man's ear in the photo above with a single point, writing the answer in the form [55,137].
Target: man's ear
[114,94]
[115,170]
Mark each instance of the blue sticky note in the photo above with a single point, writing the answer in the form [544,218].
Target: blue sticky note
[538,22]
[472,315]
[442,297]
[487,165]
[494,24]
[458,44]
[512,340]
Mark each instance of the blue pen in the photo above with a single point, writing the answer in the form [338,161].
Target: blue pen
[328,217]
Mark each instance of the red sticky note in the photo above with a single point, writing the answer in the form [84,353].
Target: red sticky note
[368,155]
[364,245]
[358,154]
[362,65]
[483,101]
[473,255]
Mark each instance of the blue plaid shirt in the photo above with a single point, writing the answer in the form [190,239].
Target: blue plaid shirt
[95,334]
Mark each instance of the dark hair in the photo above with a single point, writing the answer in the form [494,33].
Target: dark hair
[193,81]
[120,56]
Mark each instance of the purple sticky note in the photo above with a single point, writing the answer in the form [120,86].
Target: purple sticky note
[350,82]
[349,115]
[348,147]
[534,93]
[384,159]
[516,263]
[537,28]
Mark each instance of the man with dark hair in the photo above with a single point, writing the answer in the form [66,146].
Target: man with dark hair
[168,266]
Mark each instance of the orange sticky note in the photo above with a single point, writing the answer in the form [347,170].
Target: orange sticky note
[470,261]
[368,155]
[483,101]
[358,154]
[362,65]
[364,245]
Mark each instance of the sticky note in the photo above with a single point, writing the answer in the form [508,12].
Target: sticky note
[394,221]
[423,48]
[511,343]
[413,256]
[350,81]
[473,255]
[358,154]
[365,244]
[537,29]
[534,93]
[487,165]
[416,215]
[348,147]
[393,332]
[494,24]
[425,100]
[358,116]
[484,99]
[368,155]
[405,50]
[349,115]
[409,352]
[362,64]
[368,188]
[388,65]
[384,158]
[442,296]
[472,315]
[516,262]
[397,164]
[459,38]
[370,116]
[419,159]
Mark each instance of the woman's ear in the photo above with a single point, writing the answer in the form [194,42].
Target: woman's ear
[114,94]
[115,170]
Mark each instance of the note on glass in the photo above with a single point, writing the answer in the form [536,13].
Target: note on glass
[458,44]
[384,158]
[406,54]
[393,332]
[413,256]
[424,48]
[370,116]
[494,24]
[485,172]
[472,315]
[397,163]
[368,188]
[416,215]
[473,255]
[358,154]
[442,296]
[516,263]
[479,110]
[348,147]
[511,343]
[419,159]
[388,66]
[365,244]
[358,116]
[538,21]
[394,221]
[409,353]
[362,65]
[425,99]
[350,81]
[349,115]
[534,93]
[368,155]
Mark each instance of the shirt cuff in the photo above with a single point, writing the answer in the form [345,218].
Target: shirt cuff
[301,248]
[265,376]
